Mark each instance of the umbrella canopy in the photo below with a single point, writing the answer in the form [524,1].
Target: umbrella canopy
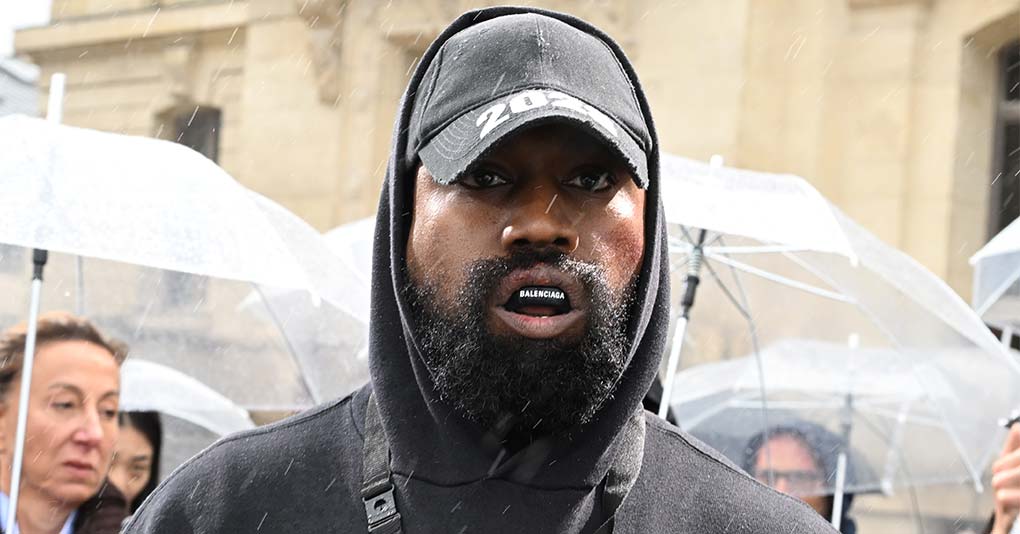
[149,386]
[997,278]
[332,340]
[886,408]
[149,202]
[781,262]
[193,415]
[172,245]
[352,243]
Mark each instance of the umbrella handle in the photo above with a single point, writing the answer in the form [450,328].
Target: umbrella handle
[837,498]
[26,384]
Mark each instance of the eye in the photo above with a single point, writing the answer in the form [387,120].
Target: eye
[61,406]
[483,178]
[592,180]
[109,414]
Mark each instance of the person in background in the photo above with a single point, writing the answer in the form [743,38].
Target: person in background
[1006,484]
[801,459]
[135,467]
[71,427]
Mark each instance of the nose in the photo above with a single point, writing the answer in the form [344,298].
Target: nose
[781,485]
[540,220]
[90,430]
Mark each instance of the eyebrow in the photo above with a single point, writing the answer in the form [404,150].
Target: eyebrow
[77,391]
[140,458]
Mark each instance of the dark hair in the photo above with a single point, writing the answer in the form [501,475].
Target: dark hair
[51,327]
[149,425]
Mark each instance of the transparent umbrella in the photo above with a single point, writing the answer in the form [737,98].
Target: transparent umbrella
[193,414]
[997,280]
[333,340]
[778,261]
[160,246]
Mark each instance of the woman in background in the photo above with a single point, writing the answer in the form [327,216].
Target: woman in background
[71,427]
[135,468]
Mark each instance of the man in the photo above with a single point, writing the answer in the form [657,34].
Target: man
[800,459]
[519,309]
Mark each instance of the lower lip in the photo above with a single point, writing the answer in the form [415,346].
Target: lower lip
[539,327]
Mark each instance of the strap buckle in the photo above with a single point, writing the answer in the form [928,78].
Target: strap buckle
[381,510]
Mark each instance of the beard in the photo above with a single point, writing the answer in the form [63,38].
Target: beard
[510,384]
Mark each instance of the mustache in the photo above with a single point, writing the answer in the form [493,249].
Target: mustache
[486,274]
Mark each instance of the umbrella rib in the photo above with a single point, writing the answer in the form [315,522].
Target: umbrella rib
[994,296]
[290,347]
[732,402]
[781,279]
[892,456]
[746,312]
[762,249]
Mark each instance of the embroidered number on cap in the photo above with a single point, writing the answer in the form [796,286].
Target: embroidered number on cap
[491,117]
[534,99]
[528,100]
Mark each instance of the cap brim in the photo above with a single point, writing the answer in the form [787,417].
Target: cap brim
[452,151]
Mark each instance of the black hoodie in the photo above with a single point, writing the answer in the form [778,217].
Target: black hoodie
[304,474]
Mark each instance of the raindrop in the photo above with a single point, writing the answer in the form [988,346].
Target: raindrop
[498,83]
[149,25]
[262,521]
[549,207]
[193,113]
[232,35]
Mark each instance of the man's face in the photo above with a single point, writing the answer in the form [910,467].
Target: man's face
[793,471]
[521,276]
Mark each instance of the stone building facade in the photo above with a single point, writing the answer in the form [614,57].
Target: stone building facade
[889,107]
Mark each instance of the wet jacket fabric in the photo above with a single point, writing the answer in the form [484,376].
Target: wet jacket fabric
[624,472]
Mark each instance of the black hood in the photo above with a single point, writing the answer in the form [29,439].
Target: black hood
[428,440]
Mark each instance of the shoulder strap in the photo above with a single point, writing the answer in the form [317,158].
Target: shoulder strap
[377,488]
[624,472]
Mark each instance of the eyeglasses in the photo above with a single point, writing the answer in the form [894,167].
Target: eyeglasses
[797,482]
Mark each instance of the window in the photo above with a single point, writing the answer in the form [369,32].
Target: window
[199,129]
[1004,207]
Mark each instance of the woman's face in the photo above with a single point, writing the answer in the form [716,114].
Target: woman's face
[132,463]
[72,422]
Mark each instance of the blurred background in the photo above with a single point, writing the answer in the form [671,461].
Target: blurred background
[904,113]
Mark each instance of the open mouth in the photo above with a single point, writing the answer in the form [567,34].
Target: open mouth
[538,301]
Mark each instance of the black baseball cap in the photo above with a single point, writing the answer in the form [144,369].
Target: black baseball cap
[502,75]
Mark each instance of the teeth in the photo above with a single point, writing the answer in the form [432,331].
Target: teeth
[539,296]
